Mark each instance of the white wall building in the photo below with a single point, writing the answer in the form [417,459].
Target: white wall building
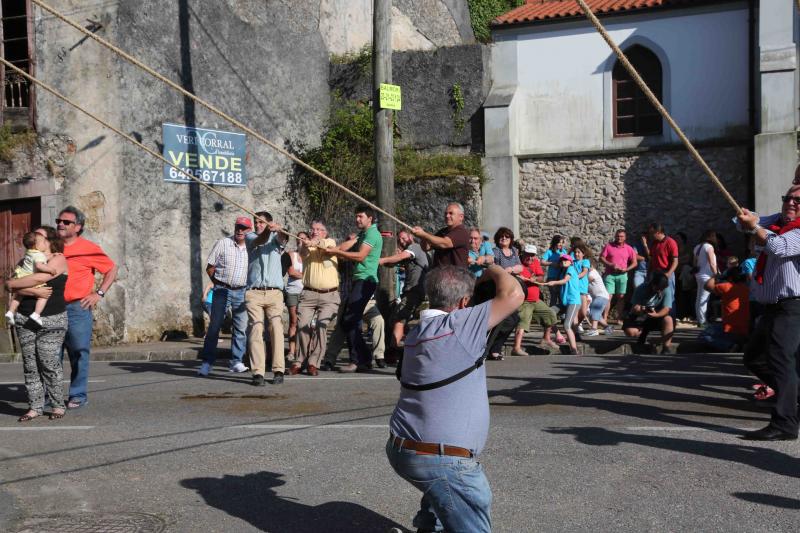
[557,98]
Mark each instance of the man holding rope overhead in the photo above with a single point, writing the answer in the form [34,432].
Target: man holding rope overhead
[264,296]
[451,243]
[441,421]
[227,268]
[776,286]
[365,252]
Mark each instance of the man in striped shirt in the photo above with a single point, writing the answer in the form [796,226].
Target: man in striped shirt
[777,287]
[227,268]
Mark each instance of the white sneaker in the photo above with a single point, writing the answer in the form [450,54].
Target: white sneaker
[205,368]
[580,328]
[609,330]
[10,318]
[239,368]
[592,333]
[36,318]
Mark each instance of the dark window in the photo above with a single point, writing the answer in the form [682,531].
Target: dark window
[634,115]
[15,47]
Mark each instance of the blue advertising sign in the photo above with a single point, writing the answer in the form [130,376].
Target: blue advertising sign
[216,157]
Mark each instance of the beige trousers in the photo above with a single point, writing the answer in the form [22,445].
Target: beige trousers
[263,305]
[311,343]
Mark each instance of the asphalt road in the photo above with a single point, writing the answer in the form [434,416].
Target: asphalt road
[623,443]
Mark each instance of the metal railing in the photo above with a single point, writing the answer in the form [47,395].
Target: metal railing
[16,91]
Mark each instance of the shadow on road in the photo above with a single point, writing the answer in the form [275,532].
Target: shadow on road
[768,499]
[756,457]
[252,498]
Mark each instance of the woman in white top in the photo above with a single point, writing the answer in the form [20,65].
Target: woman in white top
[600,299]
[705,267]
[292,294]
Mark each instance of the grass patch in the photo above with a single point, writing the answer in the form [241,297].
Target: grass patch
[410,164]
[11,143]
[482,12]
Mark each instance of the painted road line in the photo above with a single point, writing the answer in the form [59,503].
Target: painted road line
[49,428]
[312,426]
[317,378]
[687,428]
[64,381]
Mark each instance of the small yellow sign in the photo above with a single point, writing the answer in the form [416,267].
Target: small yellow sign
[390,96]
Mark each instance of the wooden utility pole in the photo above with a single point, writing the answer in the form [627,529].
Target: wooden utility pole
[384,149]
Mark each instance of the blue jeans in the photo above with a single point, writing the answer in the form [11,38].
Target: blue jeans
[222,299]
[455,492]
[78,343]
[639,277]
[360,293]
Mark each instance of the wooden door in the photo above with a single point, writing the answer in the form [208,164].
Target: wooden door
[16,218]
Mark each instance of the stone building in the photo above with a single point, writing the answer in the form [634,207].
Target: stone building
[575,147]
[266,63]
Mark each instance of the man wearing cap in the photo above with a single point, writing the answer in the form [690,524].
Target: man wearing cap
[451,243]
[227,268]
[533,308]
[264,297]
[415,263]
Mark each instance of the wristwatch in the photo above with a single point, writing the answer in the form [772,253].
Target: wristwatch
[101,292]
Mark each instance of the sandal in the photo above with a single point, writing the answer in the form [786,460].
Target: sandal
[495,357]
[27,417]
[72,404]
[56,415]
[763,393]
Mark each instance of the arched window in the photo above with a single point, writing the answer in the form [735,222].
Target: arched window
[634,115]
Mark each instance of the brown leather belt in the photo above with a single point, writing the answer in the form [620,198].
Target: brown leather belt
[225,285]
[322,291]
[430,448]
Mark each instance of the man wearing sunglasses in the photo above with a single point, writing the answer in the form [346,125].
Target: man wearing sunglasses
[776,286]
[84,258]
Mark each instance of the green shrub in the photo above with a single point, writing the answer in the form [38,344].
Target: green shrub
[346,154]
[482,12]
[11,143]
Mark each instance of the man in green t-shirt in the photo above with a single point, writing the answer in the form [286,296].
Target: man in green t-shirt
[364,251]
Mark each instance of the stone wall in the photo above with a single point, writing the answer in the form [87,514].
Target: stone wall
[592,196]
[427,79]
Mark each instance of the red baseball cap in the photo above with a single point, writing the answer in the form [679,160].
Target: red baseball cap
[244,221]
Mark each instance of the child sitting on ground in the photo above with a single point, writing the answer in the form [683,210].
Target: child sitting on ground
[533,308]
[35,260]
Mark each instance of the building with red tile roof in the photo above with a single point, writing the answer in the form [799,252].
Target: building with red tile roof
[547,10]
[574,146]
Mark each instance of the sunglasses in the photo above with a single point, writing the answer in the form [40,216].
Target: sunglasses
[65,222]
[787,198]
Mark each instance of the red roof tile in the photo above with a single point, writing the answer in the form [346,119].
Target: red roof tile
[541,10]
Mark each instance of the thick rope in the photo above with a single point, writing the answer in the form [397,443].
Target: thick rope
[653,100]
[130,139]
[213,109]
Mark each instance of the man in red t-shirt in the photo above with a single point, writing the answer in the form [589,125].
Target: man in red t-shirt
[451,243]
[663,255]
[84,258]
[533,308]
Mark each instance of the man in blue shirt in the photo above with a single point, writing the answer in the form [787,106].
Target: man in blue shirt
[264,296]
[440,424]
